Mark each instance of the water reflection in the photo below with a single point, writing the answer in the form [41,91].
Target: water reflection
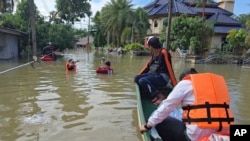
[46,103]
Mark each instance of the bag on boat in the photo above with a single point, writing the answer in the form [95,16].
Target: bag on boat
[216,137]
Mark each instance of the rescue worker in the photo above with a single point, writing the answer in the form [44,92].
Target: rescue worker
[70,65]
[49,51]
[205,101]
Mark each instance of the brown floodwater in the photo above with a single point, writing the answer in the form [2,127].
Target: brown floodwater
[48,104]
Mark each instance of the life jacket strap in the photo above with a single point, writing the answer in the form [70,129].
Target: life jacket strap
[208,119]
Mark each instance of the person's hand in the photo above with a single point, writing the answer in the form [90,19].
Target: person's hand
[158,99]
[143,129]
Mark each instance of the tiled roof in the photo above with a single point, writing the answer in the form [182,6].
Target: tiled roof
[12,31]
[179,7]
[223,19]
[224,29]
[160,7]
[212,10]
[212,3]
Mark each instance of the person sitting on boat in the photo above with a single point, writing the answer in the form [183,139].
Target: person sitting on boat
[70,65]
[205,101]
[106,69]
[157,73]
[49,51]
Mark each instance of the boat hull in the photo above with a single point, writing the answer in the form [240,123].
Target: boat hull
[144,109]
[48,58]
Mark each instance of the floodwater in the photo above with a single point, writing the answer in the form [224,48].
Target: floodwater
[48,104]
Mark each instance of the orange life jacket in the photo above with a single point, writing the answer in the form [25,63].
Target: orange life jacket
[211,107]
[168,64]
[67,65]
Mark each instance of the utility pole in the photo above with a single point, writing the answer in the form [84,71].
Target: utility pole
[132,34]
[88,33]
[89,15]
[169,22]
[32,24]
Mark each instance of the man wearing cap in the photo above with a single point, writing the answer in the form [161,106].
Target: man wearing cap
[49,51]
[157,73]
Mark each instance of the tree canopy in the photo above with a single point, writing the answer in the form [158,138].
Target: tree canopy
[121,23]
[189,32]
[71,11]
[61,34]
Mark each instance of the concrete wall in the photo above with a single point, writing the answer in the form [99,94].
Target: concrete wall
[8,46]
[156,30]
[215,43]
[226,4]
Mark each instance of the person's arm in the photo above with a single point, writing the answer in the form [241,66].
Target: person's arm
[177,97]
[146,67]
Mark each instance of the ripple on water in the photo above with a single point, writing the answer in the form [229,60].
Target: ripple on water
[38,118]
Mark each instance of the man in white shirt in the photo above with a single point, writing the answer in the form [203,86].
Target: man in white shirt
[189,93]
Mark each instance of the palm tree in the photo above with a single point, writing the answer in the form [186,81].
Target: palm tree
[124,23]
[114,18]
[139,25]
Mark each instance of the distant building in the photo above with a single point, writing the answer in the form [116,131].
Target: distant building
[9,43]
[220,12]
[83,42]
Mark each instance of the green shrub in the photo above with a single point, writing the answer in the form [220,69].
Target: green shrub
[135,47]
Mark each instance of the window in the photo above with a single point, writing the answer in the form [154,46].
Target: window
[155,23]
[223,48]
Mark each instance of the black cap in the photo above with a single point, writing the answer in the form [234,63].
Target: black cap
[154,42]
[186,72]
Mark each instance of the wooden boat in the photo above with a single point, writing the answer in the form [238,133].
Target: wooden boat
[144,109]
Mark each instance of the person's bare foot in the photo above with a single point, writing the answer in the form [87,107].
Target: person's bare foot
[158,99]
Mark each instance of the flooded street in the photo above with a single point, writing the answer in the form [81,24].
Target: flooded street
[48,104]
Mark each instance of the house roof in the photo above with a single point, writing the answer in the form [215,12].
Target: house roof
[192,2]
[160,7]
[183,7]
[224,29]
[212,10]
[222,17]
[12,31]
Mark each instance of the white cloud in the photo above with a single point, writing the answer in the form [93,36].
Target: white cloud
[46,6]
[97,5]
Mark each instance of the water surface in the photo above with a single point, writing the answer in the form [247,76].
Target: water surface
[46,103]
